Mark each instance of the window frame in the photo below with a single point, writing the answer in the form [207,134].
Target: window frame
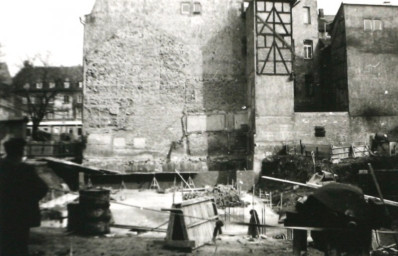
[308,47]
[307,15]
[66,99]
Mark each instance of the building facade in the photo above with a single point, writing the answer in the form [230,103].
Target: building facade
[214,85]
[165,85]
[62,88]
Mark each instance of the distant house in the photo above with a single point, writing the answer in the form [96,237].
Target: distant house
[65,85]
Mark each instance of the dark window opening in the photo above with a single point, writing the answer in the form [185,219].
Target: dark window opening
[320,131]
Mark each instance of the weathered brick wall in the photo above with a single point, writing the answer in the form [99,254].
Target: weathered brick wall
[149,70]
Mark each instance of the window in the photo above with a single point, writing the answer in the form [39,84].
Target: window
[78,113]
[66,84]
[51,85]
[79,99]
[24,101]
[79,131]
[372,25]
[26,86]
[186,8]
[307,15]
[377,25]
[80,84]
[50,116]
[66,99]
[197,8]
[39,85]
[367,24]
[308,49]
[32,100]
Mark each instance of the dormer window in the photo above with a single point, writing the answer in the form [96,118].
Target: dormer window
[372,25]
[186,8]
[197,8]
[66,84]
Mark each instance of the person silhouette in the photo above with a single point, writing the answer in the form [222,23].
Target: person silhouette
[20,192]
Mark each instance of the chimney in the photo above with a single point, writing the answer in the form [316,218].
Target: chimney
[321,14]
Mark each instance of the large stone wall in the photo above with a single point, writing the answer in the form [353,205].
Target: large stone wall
[162,85]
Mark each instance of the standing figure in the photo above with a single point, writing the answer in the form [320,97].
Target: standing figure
[253,229]
[20,192]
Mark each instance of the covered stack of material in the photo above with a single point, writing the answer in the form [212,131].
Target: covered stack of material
[91,216]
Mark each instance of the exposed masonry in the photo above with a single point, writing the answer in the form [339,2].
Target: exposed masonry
[156,94]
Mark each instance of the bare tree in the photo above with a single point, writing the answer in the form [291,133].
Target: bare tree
[39,100]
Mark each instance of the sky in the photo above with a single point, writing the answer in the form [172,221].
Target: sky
[50,30]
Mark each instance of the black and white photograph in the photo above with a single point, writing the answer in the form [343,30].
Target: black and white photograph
[198,127]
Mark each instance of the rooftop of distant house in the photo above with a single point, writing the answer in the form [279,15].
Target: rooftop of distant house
[31,73]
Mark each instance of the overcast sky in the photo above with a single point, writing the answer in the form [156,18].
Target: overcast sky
[51,29]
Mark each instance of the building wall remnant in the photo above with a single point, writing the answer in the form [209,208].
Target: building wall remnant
[305,35]
[164,81]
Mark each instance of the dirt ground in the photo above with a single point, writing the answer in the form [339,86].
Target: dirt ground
[57,242]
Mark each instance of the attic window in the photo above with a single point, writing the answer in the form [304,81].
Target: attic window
[197,8]
[372,25]
[186,8]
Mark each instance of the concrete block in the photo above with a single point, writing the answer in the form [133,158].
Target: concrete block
[139,142]
[215,123]
[196,123]
[119,142]
[99,139]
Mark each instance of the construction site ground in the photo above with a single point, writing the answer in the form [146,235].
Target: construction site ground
[142,208]
[57,242]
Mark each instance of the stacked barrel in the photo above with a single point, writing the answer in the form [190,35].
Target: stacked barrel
[91,216]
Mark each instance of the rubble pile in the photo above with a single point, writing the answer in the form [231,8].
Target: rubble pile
[224,196]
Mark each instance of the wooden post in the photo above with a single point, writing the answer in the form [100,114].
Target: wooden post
[299,241]
[81,180]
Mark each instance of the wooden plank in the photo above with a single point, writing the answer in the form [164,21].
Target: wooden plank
[139,228]
[388,202]
[202,222]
